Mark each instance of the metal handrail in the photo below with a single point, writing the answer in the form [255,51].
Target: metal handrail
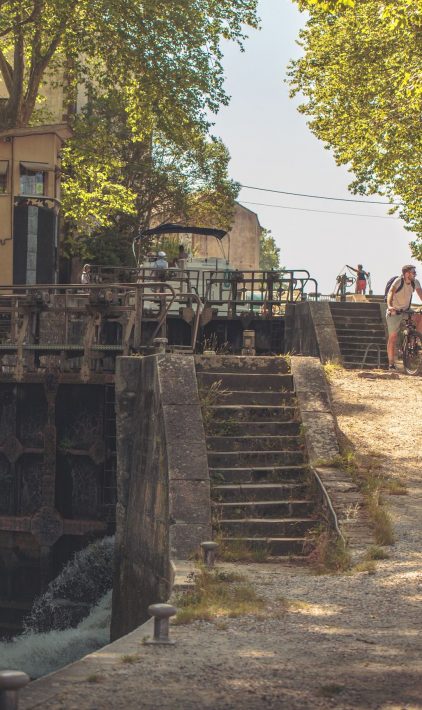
[369,347]
[91,305]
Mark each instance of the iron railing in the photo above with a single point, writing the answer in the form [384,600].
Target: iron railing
[83,327]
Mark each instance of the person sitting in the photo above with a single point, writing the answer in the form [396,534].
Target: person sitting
[399,299]
[161,261]
[160,267]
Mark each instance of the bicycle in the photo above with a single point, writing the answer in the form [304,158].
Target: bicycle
[411,348]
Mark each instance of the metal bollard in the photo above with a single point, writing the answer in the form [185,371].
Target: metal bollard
[160,345]
[209,550]
[161,614]
[10,684]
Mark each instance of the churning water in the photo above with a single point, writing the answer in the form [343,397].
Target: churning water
[71,619]
[40,653]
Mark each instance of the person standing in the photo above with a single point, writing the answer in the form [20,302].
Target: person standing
[86,274]
[361,278]
[399,299]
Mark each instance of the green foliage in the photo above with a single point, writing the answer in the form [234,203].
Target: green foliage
[360,76]
[152,73]
[113,185]
[269,253]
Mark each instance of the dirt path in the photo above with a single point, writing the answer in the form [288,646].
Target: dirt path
[347,641]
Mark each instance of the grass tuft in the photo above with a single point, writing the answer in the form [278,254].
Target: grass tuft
[127,658]
[327,691]
[216,596]
[328,553]
[366,472]
[376,553]
[293,604]
[365,566]
[395,487]
[332,367]
[240,551]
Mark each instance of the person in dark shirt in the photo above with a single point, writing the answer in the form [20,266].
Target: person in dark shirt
[361,278]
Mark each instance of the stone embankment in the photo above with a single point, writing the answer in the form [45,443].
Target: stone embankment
[344,641]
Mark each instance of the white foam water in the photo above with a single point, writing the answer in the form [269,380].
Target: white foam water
[40,653]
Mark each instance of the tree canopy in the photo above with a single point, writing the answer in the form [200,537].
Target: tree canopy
[269,253]
[360,75]
[152,71]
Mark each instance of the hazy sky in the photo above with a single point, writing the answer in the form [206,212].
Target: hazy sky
[272,147]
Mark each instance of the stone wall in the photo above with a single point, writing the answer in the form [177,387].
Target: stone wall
[310,330]
[163,509]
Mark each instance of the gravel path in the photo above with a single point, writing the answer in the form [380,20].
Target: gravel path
[346,641]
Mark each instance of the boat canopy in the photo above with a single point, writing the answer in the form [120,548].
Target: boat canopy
[182,229]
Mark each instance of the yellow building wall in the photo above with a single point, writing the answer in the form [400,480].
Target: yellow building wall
[6,218]
[37,147]
[241,245]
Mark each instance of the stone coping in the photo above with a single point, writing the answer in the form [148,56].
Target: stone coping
[344,503]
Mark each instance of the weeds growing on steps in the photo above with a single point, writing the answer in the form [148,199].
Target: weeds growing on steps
[211,344]
[241,551]
[223,427]
[329,552]
[209,397]
[217,595]
[373,483]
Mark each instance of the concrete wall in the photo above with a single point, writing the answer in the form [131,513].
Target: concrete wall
[163,509]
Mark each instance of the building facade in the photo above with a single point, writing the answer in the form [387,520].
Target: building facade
[30,203]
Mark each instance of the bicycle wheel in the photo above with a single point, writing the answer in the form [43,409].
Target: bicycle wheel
[412,353]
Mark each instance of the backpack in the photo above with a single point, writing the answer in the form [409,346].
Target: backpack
[391,281]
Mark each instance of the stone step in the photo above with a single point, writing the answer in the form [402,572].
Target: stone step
[259,398]
[238,363]
[253,413]
[344,321]
[259,492]
[354,365]
[359,354]
[358,357]
[362,339]
[361,347]
[248,459]
[231,427]
[360,331]
[257,382]
[274,546]
[263,509]
[358,308]
[271,527]
[254,443]
[255,474]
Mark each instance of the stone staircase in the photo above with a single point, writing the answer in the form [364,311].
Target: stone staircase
[256,457]
[357,325]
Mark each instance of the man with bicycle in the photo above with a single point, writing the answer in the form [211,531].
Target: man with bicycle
[399,299]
